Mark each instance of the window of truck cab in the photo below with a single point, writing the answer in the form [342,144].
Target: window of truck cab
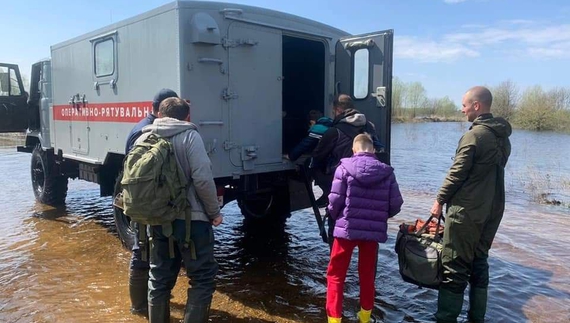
[9,83]
[104,57]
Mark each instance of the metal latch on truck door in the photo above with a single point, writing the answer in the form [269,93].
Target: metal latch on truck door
[230,43]
[77,101]
[248,155]
[227,95]
[380,96]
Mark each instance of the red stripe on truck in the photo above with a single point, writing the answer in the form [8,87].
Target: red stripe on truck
[103,112]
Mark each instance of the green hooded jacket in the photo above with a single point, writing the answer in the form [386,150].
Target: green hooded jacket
[475,183]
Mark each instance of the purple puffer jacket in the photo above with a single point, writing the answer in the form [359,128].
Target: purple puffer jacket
[364,195]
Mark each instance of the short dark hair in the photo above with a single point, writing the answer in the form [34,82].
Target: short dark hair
[315,115]
[343,102]
[174,108]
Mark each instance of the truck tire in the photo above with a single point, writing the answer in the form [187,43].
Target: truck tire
[122,222]
[49,188]
[267,206]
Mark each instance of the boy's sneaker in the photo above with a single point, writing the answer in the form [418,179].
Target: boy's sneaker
[322,201]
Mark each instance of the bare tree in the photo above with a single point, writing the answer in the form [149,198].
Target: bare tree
[505,99]
[415,97]
[398,93]
[560,98]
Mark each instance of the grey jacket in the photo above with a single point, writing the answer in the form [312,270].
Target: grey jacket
[194,161]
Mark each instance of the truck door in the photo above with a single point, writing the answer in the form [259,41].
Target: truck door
[254,95]
[363,69]
[13,100]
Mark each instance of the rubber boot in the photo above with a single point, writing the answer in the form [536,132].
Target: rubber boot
[448,306]
[196,313]
[138,287]
[334,319]
[364,315]
[477,305]
[159,313]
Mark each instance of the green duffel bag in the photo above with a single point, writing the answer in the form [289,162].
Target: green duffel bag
[419,253]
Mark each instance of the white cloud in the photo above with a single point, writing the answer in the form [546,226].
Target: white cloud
[523,36]
[518,38]
[453,1]
[529,35]
[429,50]
[559,50]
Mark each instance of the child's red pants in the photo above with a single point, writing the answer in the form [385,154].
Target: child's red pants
[338,266]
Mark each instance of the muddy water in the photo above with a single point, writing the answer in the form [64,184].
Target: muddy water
[67,265]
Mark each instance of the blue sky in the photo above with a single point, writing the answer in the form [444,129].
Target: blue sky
[448,45]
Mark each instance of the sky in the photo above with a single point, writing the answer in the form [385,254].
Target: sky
[447,45]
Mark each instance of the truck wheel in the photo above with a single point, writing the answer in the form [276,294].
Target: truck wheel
[123,222]
[274,205]
[49,188]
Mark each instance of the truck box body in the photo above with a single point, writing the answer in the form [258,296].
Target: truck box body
[252,76]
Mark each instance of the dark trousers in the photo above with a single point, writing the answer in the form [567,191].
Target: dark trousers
[466,244]
[164,269]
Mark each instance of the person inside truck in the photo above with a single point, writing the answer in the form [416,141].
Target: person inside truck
[139,267]
[318,125]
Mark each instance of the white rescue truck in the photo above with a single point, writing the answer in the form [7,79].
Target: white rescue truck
[252,75]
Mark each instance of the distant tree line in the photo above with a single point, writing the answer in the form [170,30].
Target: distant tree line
[534,109]
[410,102]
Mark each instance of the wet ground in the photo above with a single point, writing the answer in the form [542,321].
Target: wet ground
[67,265]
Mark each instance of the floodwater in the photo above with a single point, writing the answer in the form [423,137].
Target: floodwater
[67,265]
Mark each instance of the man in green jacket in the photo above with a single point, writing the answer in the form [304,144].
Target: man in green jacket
[474,192]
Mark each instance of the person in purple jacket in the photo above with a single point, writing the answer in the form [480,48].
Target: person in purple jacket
[364,195]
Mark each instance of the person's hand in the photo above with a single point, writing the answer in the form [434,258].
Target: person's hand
[436,209]
[218,220]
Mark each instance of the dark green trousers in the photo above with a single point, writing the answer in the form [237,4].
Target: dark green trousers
[467,239]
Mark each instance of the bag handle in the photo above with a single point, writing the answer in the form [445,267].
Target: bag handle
[423,229]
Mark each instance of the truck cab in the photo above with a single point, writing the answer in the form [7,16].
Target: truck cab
[252,75]
[13,100]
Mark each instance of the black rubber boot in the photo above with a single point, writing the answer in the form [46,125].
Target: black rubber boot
[448,306]
[138,287]
[197,313]
[159,313]
[477,305]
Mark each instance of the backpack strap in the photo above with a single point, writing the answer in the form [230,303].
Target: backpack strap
[188,243]
[142,241]
[167,232]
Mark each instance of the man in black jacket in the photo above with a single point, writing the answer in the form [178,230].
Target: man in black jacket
[336,144]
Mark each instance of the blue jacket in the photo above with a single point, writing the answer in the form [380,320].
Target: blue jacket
[136,132]
[310,142]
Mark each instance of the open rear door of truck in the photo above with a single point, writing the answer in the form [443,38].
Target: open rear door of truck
[363,69]
[13,100]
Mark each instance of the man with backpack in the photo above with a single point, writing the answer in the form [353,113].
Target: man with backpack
[171,157]
[138,268]
[336,143]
